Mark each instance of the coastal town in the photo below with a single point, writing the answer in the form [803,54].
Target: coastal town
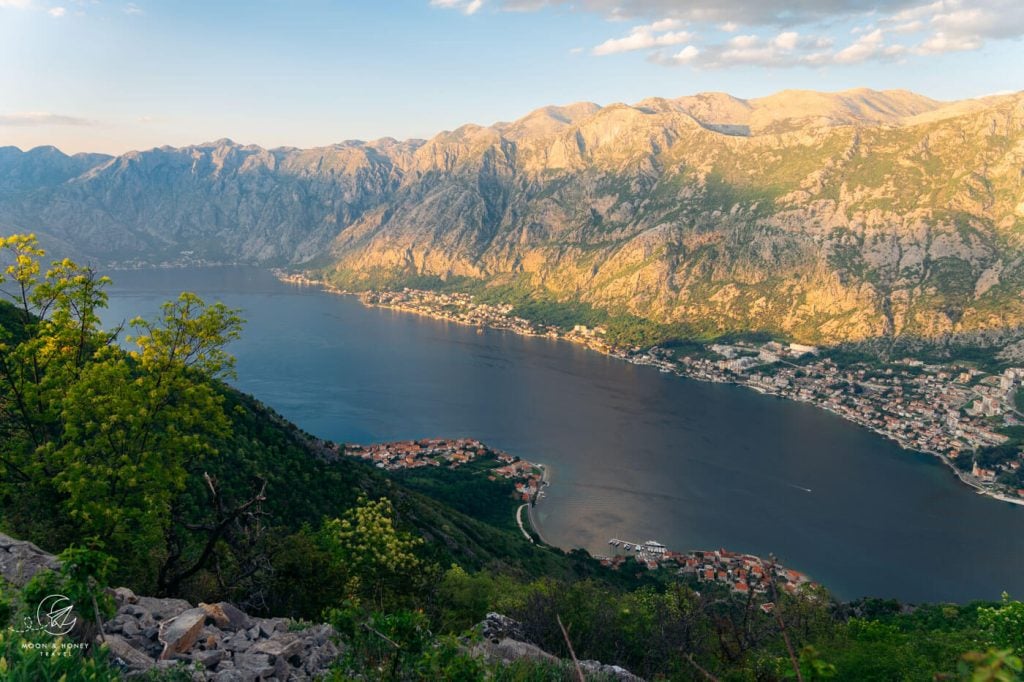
[456,307]
[741,573]
[955,412]
[952,411]
[527,477]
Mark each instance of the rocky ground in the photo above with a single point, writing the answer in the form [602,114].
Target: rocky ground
[221,643]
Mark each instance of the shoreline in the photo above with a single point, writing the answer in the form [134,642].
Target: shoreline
[534,524]
[603,349]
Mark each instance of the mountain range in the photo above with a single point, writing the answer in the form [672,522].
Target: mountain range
[821,217]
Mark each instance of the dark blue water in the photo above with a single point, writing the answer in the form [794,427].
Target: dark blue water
[633,453]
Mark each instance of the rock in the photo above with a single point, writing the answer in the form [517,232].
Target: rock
[237,643]
[123,595]
[227,616]
[208,659]
[131,627]
[283,645]
[232,675]
[498,645]
[510,650]
[320,657]
[162,609]
[126,655]
[614,672]
[496,627]
[180,633]
[209,636]
[257,663]
[271,625]
[21,561]
[149,645]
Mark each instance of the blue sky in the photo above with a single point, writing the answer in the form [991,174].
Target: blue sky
[105,75]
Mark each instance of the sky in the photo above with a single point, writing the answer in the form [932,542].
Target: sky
[112,76]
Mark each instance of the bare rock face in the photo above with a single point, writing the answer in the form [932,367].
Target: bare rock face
[20,561]
[504,641]
[497,627]
[180,633]
[820,216]
[227,616]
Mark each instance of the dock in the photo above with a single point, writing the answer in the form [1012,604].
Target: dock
[651,548]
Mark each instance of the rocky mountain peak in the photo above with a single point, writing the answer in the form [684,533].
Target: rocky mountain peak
[819,216]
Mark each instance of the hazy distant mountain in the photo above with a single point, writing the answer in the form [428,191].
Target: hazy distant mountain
[825,216]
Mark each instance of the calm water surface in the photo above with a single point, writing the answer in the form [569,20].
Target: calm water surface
[633,453]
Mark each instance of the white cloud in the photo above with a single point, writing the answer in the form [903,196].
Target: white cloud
[645,37]
[782,33]
[15,4]
[666,25]
[132,8]
[941,42]
[56,12]
[959,25]
[865,47]
[968,26]
[775,13]
[743,42]
[41,118]
[783,50]
[908,27]
[787,40]
[686,55]
[464,6]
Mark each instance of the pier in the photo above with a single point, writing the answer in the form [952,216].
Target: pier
[649,549]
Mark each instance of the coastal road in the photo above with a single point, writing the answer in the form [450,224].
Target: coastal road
[519,520]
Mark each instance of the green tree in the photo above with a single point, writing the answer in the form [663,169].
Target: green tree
[994,665]
[380,560]
[1004,624]
[99,443]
